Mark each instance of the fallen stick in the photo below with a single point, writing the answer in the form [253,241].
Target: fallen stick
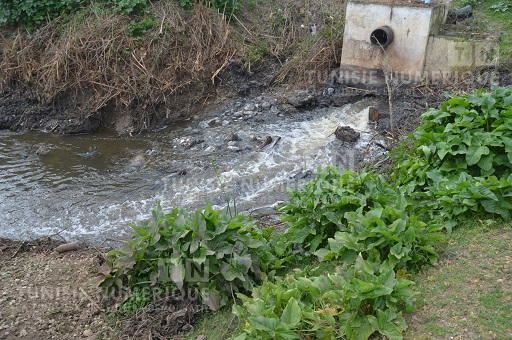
[18,249]
[278,138]
[91,300]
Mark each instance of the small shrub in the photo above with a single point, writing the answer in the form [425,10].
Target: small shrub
[354,305]
[317,212]
[205,250]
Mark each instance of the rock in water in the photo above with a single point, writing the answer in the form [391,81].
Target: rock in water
[136,163]
[346,134]
[266,142]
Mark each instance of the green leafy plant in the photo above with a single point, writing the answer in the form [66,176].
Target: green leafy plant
[387,236]
[462,155]
[187,4]
[317,212]
[32,13]
[204,250]
[354,305]
[501,6]
[226,7]
[139,27]
[130,6]
[471,3]
[138,299]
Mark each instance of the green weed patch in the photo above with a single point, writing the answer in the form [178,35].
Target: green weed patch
[205,250]
[462,156]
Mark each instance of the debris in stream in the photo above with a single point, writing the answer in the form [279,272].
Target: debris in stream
[301,175]
[42,151]
[346,134]
[276,140]
[266,142]
[234,138]
[90,152]
[189,142]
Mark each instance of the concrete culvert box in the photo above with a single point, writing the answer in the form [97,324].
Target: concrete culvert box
[401,27]
[409,37]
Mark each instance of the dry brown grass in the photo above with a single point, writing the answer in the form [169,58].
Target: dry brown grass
[95,58]
[92,61]
[304,59]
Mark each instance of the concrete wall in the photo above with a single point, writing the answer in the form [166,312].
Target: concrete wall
[448,54]
[411,28]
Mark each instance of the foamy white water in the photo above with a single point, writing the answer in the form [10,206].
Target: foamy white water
[90,188]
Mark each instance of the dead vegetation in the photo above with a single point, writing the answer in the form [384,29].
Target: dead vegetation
[173,68]
[95,58]
[303,37]
[169,318]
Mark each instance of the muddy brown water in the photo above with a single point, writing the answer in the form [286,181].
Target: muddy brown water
[91,187]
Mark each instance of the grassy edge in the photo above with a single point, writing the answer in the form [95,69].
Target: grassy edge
[467,295]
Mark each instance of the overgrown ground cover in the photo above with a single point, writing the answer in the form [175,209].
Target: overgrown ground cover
[370,234]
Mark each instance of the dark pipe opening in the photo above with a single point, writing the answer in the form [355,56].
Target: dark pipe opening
[381,37]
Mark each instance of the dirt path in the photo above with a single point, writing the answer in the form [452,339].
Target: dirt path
[47,295]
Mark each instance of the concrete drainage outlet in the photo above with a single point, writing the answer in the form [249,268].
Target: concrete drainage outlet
[381,37]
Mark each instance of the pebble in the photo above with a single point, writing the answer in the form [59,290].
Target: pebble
[232,143]
[238,114]
[210,149]
[87,333]
[274,109]
[234,148]
[265,105]
[204,125]
[248,113]
[329,91]
[225,122]
[249,107]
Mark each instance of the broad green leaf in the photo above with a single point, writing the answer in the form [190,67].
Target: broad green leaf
[475,153]
[262,323]
[230,272]
[291,314]
[324,254]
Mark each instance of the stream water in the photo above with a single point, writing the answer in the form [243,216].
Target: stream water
[90,187]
